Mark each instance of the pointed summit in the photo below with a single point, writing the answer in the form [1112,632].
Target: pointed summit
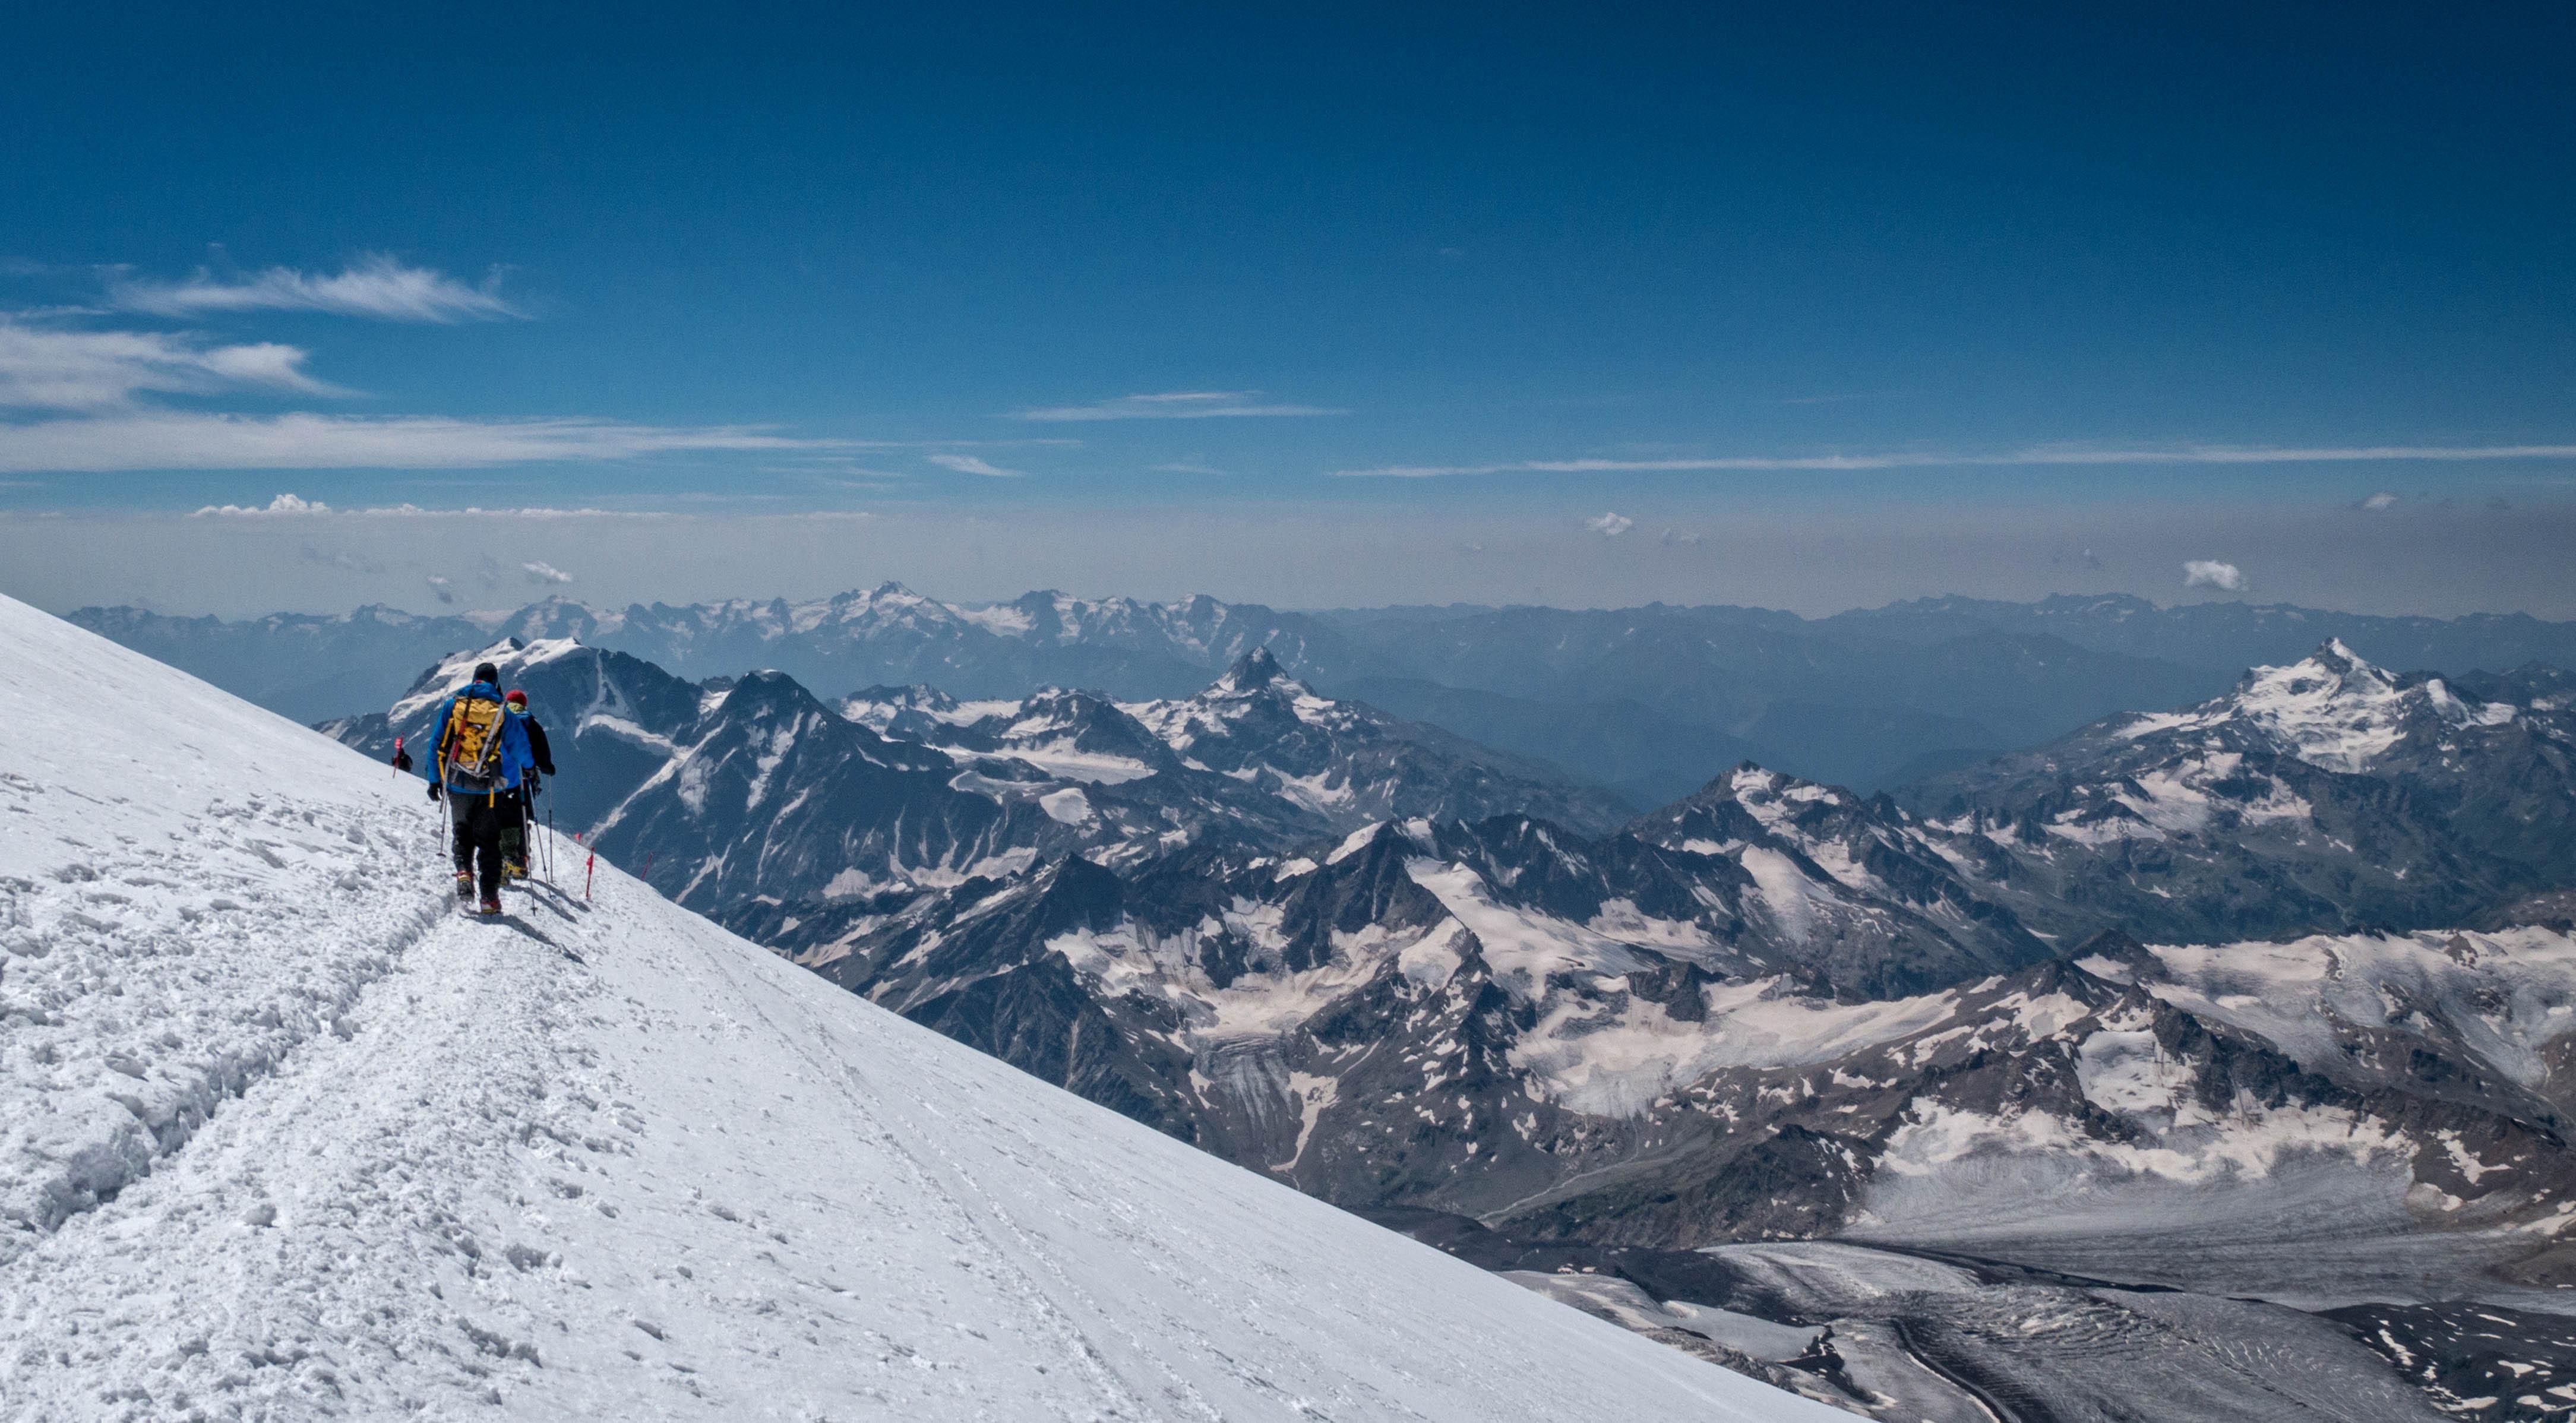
[1251,672]
[770,693]
[2335,656]
[2331,709]
[2333,671]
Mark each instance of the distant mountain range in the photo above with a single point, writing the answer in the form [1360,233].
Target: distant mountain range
[2251,1019]
[752,789]
[1553,1007]
[2325,794]
[1644,702]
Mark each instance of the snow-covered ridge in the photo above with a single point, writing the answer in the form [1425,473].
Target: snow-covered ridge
[511,656]
[891,609]
[1325,762]
[2332,710]
[288,1139]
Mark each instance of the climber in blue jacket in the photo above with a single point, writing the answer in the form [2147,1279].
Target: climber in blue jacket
[478,755]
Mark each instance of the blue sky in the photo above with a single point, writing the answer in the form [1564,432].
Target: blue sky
[1556,280]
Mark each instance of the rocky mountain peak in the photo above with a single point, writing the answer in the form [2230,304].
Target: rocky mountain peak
[2334,656]
[1256,671]
[2333,670]
[771,695]
[2335,710]
[1251,672]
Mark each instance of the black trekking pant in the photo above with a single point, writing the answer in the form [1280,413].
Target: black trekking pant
[479,817]
[514,827]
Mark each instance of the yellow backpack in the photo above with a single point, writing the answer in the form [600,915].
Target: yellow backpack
[471,747]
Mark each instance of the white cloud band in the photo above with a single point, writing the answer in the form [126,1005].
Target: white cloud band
[2038,456]
[1175,405]
[42,368]
[375,286]
[969,464]
[172,440]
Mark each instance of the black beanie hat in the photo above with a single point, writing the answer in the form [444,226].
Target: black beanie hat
[486,672]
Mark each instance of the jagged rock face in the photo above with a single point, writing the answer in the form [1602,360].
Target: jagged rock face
[1473,974]
[1883,910]
[752,789]
[1079,734]
[1336,764]
[2324,794]
[745,790]
[1402,1023]
[777,795]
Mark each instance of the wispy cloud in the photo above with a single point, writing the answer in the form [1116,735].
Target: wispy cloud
[544,573]
[2380,501]
[174,440]
[1185,467]
[288,505]
[2210,573]
[2038,456]
[43,368]
[1175,405]
[377,286]
[1610,526]
[969,464]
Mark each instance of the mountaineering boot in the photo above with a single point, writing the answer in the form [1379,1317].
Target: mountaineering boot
[465,884]
[492,904]
[513,871]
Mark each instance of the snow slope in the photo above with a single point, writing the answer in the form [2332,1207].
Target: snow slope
[282,1138]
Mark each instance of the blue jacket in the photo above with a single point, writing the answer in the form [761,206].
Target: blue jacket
[515,756]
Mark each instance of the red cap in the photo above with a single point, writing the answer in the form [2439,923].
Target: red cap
[515,695]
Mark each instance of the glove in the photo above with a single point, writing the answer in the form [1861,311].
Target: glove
[434,789]
[535,784]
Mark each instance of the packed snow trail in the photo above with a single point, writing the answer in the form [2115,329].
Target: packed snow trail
[284,1137]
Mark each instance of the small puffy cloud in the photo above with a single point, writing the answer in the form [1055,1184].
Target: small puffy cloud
[282,505]
[1680,538]
[442,589]
[42,368]
[969,464]
[1610,526]
[1176,405]
[2379,501]
[544,573]
[2210,573]
[376,286]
